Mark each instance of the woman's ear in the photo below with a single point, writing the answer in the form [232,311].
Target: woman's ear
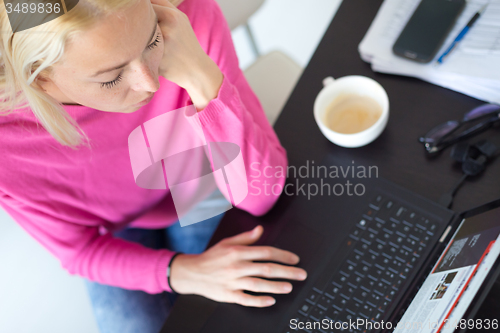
[43,82]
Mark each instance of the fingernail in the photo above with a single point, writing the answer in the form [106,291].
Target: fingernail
[271,301]
[287,288]
[303,276]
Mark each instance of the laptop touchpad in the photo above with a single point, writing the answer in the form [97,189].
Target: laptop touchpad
[294,237]
[301,240]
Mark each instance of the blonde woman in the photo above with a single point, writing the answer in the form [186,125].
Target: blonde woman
[72,90]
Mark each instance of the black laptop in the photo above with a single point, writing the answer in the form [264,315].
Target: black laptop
[386,260]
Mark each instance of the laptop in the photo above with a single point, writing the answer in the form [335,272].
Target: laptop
[382,260]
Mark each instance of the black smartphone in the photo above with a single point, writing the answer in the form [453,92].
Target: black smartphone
[427,29]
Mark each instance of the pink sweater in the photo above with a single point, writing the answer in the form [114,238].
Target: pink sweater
[71,200]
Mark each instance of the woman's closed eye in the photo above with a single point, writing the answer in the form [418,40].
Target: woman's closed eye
[114,82]
[155,43]
[110,84]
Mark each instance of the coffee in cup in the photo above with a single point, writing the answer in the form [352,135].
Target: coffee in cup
[351,111]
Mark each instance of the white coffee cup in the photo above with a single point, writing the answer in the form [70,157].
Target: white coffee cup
[352,85]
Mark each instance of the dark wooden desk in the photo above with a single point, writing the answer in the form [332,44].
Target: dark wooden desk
[415,107]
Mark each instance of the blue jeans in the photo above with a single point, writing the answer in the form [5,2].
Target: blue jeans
[120,310]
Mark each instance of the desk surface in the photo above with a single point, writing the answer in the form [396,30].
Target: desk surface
[415,107]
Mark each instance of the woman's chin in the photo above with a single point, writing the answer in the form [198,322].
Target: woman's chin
[131,109]
[128,109]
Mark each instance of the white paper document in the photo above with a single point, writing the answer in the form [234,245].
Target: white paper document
[473,68]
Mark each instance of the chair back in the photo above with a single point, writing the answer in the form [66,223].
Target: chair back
[237,12]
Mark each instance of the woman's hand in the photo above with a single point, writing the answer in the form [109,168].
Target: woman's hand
[176,3]
[184,61]
[226,269]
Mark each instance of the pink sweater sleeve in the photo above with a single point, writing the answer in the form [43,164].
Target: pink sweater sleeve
[236,116]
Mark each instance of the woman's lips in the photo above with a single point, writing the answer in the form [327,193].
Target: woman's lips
[145,101]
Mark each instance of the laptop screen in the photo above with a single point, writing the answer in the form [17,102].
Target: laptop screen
[455,279]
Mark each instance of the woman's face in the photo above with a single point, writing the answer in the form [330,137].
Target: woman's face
[114,65]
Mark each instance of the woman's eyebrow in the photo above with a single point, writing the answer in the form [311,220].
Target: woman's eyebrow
[126,63]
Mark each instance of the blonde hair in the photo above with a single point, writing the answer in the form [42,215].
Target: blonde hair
[30,54]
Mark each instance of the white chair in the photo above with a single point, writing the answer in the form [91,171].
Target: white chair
[237,12]
[272,76]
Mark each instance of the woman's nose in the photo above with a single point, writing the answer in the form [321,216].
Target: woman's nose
[145,79]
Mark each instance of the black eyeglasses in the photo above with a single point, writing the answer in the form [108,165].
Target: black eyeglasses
[475,121]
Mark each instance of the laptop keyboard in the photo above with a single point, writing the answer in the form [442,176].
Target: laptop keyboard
[385,245]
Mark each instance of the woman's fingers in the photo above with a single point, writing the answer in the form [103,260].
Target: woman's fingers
[263,286]
[163,14]
[273,271]
[245,238]
[165,3]
[269,253]
[176,3]
[239,297]
[164,10]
